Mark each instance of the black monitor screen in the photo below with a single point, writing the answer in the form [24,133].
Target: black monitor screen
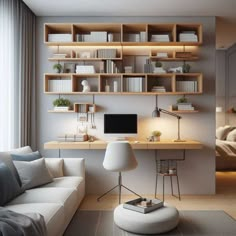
[120,123]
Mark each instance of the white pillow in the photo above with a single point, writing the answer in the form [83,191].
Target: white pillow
[55,167]
[231,136]
[222,132]
[33,173]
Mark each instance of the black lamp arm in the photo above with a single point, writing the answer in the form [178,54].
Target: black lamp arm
[169,113]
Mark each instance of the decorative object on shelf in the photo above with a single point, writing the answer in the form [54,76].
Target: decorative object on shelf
[57,67]
[156,134]
[162,55]
[148,66]
[69,68]
[158,68]
[219,109]
[86,86]
[107,87]
[176,70]
[85,69]
[182,100]
[115,86]
[186,68]
[128,69]
[61,104]
[156,113]
[232,110]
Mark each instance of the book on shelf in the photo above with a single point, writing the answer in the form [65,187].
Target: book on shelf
[85,69]
[60,38]
[162,55]
[188,37]
[134,84]
[93,36]
[160,38]
[158,70]
[183,54]
[60,85]
[158,89]
[59,55]
[185,106]
[187,86]
[61,108]
[106,53]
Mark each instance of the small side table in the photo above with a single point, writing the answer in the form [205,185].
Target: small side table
[167,167]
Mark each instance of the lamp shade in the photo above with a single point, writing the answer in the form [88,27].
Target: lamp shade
[119,157]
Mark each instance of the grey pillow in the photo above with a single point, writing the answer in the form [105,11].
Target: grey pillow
[5,157]
[26,157]
[9,187]
[33,173]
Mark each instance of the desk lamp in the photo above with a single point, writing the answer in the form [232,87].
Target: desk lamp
[157,113]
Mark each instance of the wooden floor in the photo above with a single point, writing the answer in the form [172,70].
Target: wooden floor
[224,199]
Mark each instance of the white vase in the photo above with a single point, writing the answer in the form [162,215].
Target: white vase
[156,138]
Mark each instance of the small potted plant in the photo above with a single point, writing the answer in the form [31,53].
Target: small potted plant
[158,64]
[182,100]
[156,135]
[61,104]
[57,68]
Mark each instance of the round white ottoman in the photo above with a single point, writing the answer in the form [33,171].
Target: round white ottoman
[159,221]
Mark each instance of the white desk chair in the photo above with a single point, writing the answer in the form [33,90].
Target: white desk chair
[119,157]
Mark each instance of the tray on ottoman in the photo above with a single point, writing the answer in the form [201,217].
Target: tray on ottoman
[143,205]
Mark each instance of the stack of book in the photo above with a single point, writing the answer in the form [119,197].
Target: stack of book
[188,36]
[185,106]
[135,37]
[159,89]
[59,37]
[106,53]
[85,69]
[134,84]
[60,85]
[186,86]
[61,108]
[160,38]
[159,70]
[162,55]
[59,55]
[94,36]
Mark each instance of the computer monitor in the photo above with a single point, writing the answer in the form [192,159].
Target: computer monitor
[121,125]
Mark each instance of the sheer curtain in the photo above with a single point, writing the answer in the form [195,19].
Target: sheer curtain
[17,52]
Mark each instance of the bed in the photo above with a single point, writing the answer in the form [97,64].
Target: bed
[226,148]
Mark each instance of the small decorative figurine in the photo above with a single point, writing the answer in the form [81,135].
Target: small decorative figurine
[86,87]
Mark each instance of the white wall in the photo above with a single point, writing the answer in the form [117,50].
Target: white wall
[197,172]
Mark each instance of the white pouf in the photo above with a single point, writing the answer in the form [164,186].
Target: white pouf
[159,221]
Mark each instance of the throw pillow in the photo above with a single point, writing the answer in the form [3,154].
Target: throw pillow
[33,173]
[9,187]
[222,132]
[26,157]
[55,167]
[231,136]
[6,158]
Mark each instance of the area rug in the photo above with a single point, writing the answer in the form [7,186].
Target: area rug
[192,223]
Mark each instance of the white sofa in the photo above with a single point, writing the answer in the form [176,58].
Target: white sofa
[56,201]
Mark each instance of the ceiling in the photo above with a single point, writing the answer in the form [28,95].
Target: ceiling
[223,8]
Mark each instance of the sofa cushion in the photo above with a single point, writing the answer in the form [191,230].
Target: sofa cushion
[65,182]
[7,159]
[65,196]
[33,173]
[26,156]
[55,166]
[53,214]
[9,187]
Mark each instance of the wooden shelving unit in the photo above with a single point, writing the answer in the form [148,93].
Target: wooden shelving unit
[83,41]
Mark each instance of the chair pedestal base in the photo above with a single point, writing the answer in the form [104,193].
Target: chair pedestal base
[119,186]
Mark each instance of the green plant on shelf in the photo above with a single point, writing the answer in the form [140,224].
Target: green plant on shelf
[61,102]
[156,133]
[57,67]
[182,100]
[158,64]
[186,68]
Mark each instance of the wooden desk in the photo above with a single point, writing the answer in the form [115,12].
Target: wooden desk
[99,144]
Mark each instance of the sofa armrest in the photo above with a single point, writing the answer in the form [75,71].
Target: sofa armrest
[74,167]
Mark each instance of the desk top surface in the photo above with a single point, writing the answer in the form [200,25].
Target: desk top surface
[100,144]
